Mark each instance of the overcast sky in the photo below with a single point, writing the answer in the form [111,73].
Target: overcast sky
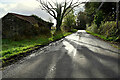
[25,7]
[29,7]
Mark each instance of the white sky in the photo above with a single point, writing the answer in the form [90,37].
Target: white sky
[29,7]
[25,7]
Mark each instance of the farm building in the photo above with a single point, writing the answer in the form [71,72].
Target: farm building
[21,26]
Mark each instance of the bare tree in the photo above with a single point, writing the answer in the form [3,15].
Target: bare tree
[58,10]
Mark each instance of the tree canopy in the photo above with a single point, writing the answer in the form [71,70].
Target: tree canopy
[108,9]
[59,10]
[69,20]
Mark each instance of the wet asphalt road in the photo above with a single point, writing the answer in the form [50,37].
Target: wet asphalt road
[79,55]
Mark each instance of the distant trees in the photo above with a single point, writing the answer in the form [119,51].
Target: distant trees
[108,10]
[82,20]
[103,19]
[97,13]
[58,10]
[69,21]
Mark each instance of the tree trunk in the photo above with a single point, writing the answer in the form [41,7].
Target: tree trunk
[117,18]
[117,14]
[58,25]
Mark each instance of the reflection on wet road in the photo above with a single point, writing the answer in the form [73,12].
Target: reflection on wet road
[79,55]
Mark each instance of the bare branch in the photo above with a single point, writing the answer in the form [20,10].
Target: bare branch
[46,7]
[73,8]
[59,10]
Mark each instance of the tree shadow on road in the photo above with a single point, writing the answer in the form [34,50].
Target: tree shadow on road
[96,63]
[64,67]
[36,67]
[97,47]
[106,57]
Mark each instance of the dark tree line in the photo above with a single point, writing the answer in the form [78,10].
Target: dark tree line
[108,10]
[95,13]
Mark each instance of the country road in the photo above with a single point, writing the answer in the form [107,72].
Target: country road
[79,55]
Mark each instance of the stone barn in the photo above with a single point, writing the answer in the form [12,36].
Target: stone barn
[20,26]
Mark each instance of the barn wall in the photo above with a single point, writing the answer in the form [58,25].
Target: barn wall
[17,29]
[13,27]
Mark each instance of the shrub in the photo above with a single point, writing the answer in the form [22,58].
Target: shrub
[93,28]
[74,30]
[108,29]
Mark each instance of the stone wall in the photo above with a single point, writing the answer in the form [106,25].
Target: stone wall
[17,29]
[13,27]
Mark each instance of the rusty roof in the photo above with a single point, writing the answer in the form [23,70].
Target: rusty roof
[30,19]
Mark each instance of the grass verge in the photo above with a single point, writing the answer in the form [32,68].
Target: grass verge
[110,39]
[12,50]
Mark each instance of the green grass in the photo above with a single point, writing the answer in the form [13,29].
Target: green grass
[111,39]
[11,48]
[102,37]
[60,35]
[115,46]
[74,30]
